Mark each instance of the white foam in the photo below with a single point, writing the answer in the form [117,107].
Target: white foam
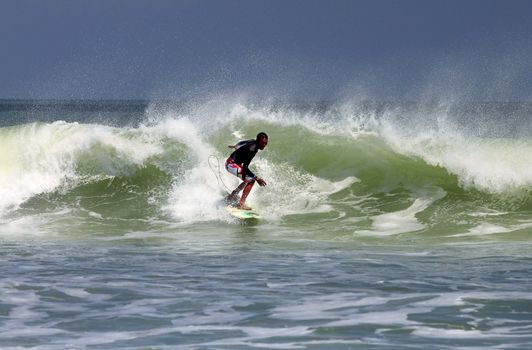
[486,213]
[43,157]
[403,220]
[27,225]
[196,195]
[74,292]
[488,164]
[292,192]
[324,307]
[490,229]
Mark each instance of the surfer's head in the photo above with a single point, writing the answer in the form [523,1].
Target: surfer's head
[262,140]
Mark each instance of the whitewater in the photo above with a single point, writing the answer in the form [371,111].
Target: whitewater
[384,225]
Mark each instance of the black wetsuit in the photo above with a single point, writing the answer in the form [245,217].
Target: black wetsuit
[244,153]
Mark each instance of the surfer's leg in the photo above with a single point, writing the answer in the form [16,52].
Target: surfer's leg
[247,188]
[236,170]
[233,196]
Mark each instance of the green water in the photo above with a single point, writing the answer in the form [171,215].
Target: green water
[379,229]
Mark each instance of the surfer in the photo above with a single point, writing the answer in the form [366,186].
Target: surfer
[238,165]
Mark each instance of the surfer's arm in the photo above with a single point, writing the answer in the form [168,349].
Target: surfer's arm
[239,144]
[247,172]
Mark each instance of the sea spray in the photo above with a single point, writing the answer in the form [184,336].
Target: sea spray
[357,165]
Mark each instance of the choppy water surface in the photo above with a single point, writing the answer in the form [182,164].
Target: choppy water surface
[380,229]
[245,292]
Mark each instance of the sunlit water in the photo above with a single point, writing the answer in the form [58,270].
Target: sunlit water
[113,235]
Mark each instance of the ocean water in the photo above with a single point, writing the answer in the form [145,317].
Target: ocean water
[384,226]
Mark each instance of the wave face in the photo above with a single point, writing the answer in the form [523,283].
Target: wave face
[334,170]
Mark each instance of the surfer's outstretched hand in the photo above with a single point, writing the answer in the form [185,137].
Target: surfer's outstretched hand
[261,182]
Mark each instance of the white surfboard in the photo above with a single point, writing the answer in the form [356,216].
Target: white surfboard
[241,213]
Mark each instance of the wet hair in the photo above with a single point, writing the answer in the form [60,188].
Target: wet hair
[261,135]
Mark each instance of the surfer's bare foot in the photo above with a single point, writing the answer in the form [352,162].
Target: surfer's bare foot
[243,207]
[232,198]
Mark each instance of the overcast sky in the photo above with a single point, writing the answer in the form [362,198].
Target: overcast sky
[146,49]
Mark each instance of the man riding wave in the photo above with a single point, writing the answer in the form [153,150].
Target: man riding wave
[238,165]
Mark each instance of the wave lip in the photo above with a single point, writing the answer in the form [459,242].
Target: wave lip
[366,171]
[47,157]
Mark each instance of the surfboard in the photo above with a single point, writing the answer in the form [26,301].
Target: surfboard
[242,214]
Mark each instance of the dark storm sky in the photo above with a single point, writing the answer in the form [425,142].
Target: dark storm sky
[388,49]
